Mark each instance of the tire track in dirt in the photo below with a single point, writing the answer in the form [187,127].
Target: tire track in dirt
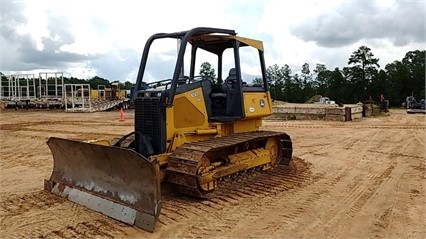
[387,173]
[252,207]
[254,211]
[297,203]
[366,141]
[305,202]
[358,196]
[395,154]
[319,148]
[308,200]
[178,209]
[19,159]
[351,182]
[32,127]
[352,125]
[382,220]
[419,135]
[14,204]
[383,201]
[23,125]
[74,134]
[40,203]
[404,181]
[87,229]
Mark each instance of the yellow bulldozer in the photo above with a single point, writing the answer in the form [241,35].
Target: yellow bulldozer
[189,131]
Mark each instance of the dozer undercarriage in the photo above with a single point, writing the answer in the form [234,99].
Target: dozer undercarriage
[190,132]
[125,185]
[198,168]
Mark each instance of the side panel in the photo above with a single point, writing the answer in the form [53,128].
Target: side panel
[257,104]
[247,125]
[188,113]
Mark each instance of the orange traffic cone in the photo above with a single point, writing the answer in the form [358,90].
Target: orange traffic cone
[121,115]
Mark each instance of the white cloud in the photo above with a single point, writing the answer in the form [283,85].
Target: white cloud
[385,3]
[118,30]
[285,20]
[82,71]
[101,25]
[278,17]
[36,26]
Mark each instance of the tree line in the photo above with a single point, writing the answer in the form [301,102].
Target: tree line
[361,80]
[96,80]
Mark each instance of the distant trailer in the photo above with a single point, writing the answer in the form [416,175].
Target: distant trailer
[102,105]
[19,87]
[26,91]
[416,111]
[49,91]
[18,91]
[79,98]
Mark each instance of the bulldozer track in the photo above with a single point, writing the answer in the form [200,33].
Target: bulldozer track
[184,161]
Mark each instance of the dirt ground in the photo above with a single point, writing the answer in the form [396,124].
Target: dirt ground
[360,179]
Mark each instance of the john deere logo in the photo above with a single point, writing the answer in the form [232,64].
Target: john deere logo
[262,103]
[194,94]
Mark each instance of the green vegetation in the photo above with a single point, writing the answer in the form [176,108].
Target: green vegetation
[207,72]
[95,81]
[358,81]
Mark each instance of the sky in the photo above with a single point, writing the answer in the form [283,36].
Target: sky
[106,38]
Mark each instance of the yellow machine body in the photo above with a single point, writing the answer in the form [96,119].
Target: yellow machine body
[190,132]
[193,125]
[114,92]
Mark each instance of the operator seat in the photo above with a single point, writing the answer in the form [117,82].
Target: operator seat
[221,91]
[230,86]
[231,107]
[232,77]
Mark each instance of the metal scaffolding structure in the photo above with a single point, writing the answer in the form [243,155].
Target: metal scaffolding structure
[51,85]
[20,87]
[50,91]
[19,90]
[6,89]
[77,98]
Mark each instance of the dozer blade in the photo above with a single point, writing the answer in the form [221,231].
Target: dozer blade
[117,182]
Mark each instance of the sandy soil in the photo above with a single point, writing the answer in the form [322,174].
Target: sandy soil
[359,179]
